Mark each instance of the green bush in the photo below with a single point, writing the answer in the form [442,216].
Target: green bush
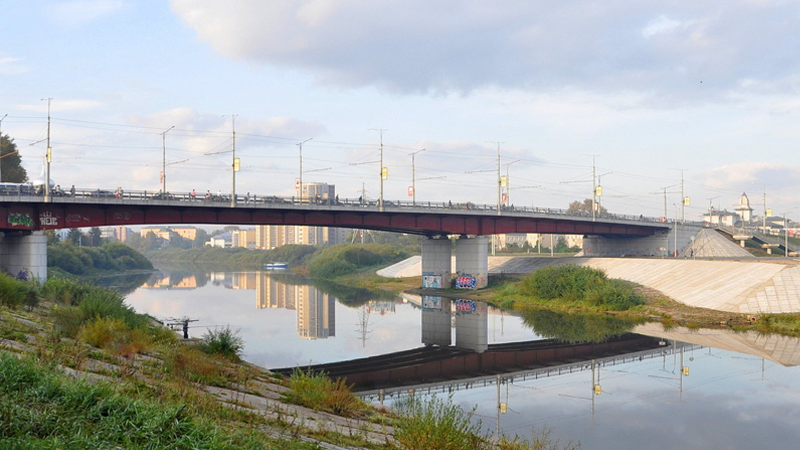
[224,342]
[567,282]
[15,293]
[347,258]
[617,295]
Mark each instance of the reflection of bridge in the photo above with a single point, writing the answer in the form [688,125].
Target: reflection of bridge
[443,368]
[22,214]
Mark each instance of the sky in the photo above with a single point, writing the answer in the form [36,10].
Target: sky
[653,101]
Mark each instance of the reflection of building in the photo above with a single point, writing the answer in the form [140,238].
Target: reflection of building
[244,280]
[381,307]
[168,282]
[271,293]
[316,313]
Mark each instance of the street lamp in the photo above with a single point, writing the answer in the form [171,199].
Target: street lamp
[786,233]
[48,154]
[235,162]
[383,170]
[164,160]
[675,229]
[300,144]
[1,147]
[508,182]
[414,178]
[498,176]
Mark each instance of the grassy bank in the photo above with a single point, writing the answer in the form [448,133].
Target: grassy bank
[80,369]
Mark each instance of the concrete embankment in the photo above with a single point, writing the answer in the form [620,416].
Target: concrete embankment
[743,286]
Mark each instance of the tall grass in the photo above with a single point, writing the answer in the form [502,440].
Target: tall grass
[42,410]
[224,342]
[317,391]
[433,423]
[15,293]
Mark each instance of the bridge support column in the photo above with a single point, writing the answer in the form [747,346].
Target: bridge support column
[436,328]
[472,325]
[472,262]
[25,252]
[436,263]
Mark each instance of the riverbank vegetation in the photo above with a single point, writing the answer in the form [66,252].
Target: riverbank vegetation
[66,257]
[81,369]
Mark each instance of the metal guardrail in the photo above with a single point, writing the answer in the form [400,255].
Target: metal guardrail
[116,196]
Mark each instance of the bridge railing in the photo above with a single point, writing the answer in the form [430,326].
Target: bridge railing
[94,195]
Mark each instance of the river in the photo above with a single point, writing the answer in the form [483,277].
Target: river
[698,389]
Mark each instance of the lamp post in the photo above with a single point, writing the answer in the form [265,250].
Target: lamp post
[1,147]
[164,160]
[675,229]
[786,232]
[414,178]
[234,163]
[381,130]
[683,197]
[508,182]
[300,179]
[498,178]
[48,154]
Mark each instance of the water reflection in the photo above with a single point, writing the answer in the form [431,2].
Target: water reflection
[576,327]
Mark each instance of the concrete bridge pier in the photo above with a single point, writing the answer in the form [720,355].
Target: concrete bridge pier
[436,263]
[24,251]
[472,262]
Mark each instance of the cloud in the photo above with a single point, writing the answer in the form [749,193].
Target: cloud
[62,105]
[78,12]
[418,46]
[745,174]
[11,66]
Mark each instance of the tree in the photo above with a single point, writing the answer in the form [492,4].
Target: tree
[95,237]
[200,238]
[75,236]
[11,170]
[584,208]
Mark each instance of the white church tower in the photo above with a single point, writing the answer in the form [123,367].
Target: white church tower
[744,210]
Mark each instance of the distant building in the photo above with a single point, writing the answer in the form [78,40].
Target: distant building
[721,218]
[243,238]
[115,233]
[221,240]
[317,192]
[268,237]
[744,210]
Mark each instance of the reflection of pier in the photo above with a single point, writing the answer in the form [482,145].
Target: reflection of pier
[444,365]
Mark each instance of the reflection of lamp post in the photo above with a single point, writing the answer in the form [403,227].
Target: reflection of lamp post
[300,144]
[164,160]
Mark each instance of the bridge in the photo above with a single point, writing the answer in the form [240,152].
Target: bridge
[23,215]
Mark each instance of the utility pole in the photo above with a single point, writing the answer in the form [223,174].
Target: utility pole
[683,199]
[498,179]
[300,179]
[594,185]
[508,182]
[48,155]
[383,170]
[164,161]
[414,178]
[235,163]
[1,147]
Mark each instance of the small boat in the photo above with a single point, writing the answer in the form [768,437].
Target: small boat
[276,265]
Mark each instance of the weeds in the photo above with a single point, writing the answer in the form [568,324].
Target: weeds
[224,342]
[434,423]
[316,390]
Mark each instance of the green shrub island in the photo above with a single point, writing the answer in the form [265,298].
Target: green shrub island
[579,284]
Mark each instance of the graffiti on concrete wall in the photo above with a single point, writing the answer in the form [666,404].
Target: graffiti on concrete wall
[431,280]
[465,281]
